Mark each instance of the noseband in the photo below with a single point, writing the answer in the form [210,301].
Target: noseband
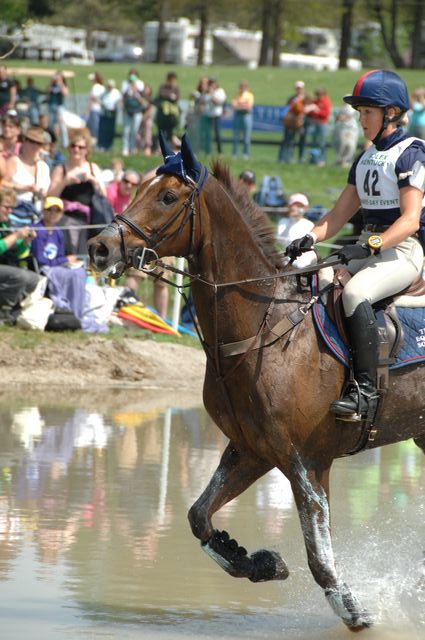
[139,256]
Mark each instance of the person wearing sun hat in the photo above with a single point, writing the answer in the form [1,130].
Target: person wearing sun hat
[26,173]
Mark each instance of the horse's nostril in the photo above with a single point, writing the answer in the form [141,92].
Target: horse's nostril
[99,250]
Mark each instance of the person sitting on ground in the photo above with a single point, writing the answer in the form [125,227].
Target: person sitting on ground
[121,192]
[66,287]
[295,225]
[26,173]
[11,134]
[16,282]
[247,180]
[75,182]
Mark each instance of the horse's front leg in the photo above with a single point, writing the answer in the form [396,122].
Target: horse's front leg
[235,473]
[311,491]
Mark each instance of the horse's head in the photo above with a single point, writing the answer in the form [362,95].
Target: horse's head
[161,220]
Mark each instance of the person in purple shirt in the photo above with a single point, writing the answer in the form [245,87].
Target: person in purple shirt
[48,248]
[66,287]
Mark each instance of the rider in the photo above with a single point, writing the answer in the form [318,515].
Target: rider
[387,181]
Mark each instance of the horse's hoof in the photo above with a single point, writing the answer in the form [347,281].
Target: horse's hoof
[348,608]
[260,566]
[268,565]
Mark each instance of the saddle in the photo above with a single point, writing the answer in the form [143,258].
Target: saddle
[390,329]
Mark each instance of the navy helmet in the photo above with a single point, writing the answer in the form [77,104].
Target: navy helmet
[380,88]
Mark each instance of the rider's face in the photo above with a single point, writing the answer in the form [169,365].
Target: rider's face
[371,119]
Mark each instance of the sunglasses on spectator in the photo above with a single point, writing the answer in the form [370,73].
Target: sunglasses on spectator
[78,146]
[34,142]
[53,210]
[8,207]
[133,184]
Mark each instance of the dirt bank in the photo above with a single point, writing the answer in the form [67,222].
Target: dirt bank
[103,368]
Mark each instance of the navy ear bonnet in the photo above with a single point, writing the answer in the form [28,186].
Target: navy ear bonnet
[380,88]
[183,164]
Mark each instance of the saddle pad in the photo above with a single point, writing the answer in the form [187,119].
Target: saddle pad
[412,320]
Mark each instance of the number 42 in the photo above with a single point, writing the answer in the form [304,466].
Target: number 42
[370,184]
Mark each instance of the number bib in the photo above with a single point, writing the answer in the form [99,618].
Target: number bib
[376,180]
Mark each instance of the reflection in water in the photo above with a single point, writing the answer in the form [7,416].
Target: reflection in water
[94,539]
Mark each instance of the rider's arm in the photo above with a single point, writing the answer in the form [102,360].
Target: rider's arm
[408,222]
[345,207]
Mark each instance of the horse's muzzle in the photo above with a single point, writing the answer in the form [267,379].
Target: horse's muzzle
[105,256]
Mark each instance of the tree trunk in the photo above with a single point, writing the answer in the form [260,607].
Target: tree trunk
[418,16]
[265,28]
[389,41]
[346,24]
[203,16]
[162,33]
[277,32]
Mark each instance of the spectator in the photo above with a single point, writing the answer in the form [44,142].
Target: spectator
[146,138]
[242,119]
[247,180]
[317,126]
[11,133]
[295,225]
[66,287]
[57,91]
[16,282]
[198,125]
[109,101]
[75,182]
[121,192]
[133,106]
[293,123]
[168,110]
[216,108]
[8,91]
[416,126]
[346,135]
[94,107]
[26,173]
[30,95]
[50,153]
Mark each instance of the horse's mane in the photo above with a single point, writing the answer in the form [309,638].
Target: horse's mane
[257,221]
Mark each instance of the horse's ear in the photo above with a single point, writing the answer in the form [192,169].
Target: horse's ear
[190,161]
[166,148]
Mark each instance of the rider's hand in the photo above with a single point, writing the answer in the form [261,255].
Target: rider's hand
[354,252]
[299,246]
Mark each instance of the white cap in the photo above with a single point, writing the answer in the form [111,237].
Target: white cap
[299,84]
[298,198]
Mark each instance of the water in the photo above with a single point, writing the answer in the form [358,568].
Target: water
[95,543]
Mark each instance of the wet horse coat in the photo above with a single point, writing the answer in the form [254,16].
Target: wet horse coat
[271,402]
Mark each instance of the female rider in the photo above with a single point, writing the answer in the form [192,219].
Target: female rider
[387,182]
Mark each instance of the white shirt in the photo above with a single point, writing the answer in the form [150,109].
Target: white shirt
[218,98]
[96,92]
[290,229]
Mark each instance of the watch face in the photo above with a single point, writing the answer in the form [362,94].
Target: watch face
[375,242]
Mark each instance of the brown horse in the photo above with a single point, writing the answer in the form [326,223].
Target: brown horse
[269,394]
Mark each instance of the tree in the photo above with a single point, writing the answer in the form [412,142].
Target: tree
[277,32]
[417,45]
[266,16]
[389,32]
[346,25]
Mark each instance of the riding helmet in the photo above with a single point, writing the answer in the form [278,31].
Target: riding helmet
[380,88]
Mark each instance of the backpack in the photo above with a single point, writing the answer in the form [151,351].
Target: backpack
[271,192]
[24,214]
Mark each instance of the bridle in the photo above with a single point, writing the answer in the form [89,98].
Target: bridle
[140,256]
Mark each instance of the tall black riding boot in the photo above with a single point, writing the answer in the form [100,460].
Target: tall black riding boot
[363,333]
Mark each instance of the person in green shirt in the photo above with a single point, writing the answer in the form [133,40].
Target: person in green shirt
[16,282]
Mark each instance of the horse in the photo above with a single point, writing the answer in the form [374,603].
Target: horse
[269,379]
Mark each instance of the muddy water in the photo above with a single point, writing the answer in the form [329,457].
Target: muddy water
[95,543]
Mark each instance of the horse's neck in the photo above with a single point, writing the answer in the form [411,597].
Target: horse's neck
[230,253]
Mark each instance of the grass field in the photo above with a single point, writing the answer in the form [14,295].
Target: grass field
[270,85]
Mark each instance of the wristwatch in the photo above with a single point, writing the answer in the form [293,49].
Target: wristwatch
[375,243]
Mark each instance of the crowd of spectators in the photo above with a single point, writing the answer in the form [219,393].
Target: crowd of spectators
[48,179]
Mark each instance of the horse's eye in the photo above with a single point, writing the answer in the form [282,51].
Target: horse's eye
[169,197]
